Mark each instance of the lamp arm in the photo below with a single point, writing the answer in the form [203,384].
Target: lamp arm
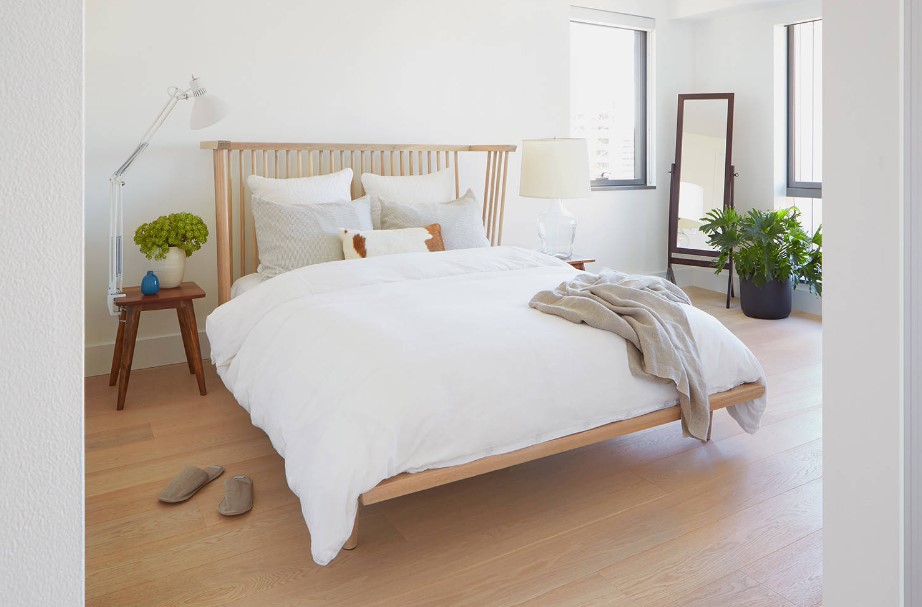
[176,95]
[116,183]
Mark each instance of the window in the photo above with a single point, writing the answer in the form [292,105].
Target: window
[805,109]
[608,100]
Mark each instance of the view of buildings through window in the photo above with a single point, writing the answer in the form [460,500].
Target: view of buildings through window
[805,120]
[607,105]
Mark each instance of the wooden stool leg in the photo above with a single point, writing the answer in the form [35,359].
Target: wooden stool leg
[131,334]
[117,352]
[353,540]
[194,347]
[711,426]
[184,331]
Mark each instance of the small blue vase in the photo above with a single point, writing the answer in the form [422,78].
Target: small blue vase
[150,284]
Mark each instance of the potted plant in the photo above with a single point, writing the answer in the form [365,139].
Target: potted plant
[772,255]
[167,241]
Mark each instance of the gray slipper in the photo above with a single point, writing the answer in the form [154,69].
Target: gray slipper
[187,482]
[238,496]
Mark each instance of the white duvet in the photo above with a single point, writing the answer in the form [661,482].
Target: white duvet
[359,370]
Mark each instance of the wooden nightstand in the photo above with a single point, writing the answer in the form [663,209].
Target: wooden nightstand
[578,261]
[134,302]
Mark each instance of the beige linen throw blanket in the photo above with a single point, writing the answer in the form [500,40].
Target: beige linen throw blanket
[645,311]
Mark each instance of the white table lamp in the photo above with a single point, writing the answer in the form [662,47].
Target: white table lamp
[206,110]
[555,169]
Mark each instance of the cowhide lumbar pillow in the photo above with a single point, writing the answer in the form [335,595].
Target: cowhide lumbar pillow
[358,244]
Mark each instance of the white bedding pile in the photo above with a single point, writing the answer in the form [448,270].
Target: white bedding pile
[359,370]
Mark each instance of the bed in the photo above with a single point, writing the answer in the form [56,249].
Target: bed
[376,378]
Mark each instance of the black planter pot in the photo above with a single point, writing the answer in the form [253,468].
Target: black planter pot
[771,301]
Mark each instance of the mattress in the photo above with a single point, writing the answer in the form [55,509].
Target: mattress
[362,369]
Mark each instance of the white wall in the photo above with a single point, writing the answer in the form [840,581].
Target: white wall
[41,438]
[862,326]
[736,52]
[408,71]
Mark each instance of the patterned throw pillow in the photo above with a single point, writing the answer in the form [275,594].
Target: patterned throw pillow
[291,236]
[358,244]
[461,221]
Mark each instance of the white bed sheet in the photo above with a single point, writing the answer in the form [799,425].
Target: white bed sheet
[359,370]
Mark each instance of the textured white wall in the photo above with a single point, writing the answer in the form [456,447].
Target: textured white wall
[862,325]
[424,71]
[41,176]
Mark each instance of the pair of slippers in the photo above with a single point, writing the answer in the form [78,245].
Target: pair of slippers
[238,491]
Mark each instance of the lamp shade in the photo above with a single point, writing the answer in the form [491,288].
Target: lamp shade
[555,168]
[206,109]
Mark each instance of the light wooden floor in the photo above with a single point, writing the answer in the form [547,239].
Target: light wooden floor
[652,519]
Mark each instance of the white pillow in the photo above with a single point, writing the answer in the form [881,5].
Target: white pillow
[335,187]
[247,283]
[359,244]
[461,220]
[292,236]
[408,189]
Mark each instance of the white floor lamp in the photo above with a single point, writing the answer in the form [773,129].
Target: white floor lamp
[206,111]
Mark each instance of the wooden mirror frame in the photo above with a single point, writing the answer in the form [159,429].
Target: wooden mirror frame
[676,252]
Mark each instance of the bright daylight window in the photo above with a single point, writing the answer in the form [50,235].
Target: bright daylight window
[805,109]
[608,101]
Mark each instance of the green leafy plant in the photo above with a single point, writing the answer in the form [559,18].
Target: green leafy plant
[183,230]
[767,245]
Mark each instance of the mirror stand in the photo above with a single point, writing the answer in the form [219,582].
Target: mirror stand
[670,257]
[701,179]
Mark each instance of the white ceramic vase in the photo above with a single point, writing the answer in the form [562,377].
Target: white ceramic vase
[170,270]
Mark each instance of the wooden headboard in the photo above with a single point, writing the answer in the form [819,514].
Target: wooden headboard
[234,161]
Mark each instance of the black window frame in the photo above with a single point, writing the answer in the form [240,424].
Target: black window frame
[795,188]
[640,114]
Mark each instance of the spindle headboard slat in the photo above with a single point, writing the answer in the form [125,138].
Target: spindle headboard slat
[234,161]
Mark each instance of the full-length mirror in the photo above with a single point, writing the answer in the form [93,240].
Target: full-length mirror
[702,175]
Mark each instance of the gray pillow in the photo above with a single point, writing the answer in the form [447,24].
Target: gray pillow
[462,225]
[292,236]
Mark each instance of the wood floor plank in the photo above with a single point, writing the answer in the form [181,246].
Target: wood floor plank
[195,436]
[108,439]
[163,559]
[590,591]
[142,498]
[243,568]
[554,500]
[691,467]
[708,553]
[536,534]
[162,469]
[736,589]
[516,575]
[113,537]
[795,571]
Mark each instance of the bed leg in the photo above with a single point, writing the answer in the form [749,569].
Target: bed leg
[710,429]
[353,540]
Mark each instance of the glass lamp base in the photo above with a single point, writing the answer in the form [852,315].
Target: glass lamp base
[557,230]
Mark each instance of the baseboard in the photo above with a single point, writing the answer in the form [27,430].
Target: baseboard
[148,352]
[804,300]
[684,276]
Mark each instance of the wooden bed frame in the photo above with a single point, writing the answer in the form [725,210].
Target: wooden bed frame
[233,162]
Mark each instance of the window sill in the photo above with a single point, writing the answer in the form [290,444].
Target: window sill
[609,188]
[804,192]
